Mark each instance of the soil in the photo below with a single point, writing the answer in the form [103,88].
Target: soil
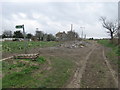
[98,74]
[91,69]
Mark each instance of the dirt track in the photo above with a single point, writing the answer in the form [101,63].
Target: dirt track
[75,83]
[98,72]
[92,68]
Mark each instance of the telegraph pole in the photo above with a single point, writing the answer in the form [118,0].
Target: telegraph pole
[85,36]
[71,32]
[82,34]
[71,27]
[82,31]
[25,42]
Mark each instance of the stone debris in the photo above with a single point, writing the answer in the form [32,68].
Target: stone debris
[74,44]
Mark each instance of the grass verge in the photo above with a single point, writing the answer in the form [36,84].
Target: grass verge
[31,74]
[107,43]
[18,73]
[58,76]
[112,54]
[15,46]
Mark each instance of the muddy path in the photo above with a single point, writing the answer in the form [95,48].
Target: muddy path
[98,72]
[75,82]
[92,69]
[79,56]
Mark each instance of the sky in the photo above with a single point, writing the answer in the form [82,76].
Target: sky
[52,17]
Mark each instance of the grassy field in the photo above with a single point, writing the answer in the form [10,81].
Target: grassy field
[114,47]
[17,72]
[32,74]
[113,53]
[15,46]
[45,72]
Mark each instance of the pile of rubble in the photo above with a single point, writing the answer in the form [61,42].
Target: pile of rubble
[74,44]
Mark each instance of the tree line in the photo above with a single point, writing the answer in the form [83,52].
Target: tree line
[112,30]
[41,36]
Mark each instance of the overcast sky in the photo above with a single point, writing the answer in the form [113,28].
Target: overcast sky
[52,17]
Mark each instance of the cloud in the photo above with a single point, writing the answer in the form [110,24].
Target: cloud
[52,17]
[22,15]
[59,0]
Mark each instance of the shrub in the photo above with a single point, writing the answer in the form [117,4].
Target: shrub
[41,59]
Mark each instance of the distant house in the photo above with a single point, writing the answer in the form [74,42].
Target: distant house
[70,35]
[61,36]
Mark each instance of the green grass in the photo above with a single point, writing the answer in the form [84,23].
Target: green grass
[0,73]
[115,48]
[15,46]
[62,70]
[113,53]
[16,79]
[28,70]
[0,66]
[41,59]
[19,74]
[29,75]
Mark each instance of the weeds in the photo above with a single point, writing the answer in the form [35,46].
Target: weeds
[107,43]
[19,46]
[114,53]
[15,79]
[41,59]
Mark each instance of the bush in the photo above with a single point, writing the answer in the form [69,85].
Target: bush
[41,59]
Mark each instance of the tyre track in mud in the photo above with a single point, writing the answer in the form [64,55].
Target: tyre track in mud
[75,82]
[110,69]
[83,63]
[98,72]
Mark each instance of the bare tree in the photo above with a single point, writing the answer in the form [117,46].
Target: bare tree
[112,27]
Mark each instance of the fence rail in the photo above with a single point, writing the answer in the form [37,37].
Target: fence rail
[22,56]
